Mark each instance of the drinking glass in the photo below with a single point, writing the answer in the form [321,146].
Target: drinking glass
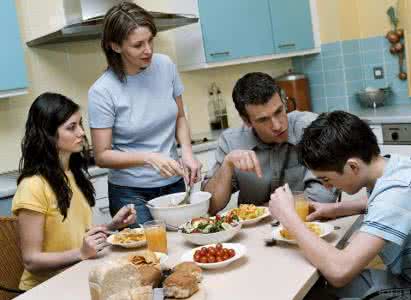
[302,206]
[156,235]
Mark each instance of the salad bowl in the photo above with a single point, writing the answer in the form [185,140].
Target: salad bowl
[204,231]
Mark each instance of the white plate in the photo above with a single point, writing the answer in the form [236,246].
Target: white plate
[326,229]
[255,220]
[212,238]
[135,244]
[240,251]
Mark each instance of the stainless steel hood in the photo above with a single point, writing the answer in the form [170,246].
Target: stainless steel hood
[92,29]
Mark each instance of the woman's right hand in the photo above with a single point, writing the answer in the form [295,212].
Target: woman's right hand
[166,166]
[93,242]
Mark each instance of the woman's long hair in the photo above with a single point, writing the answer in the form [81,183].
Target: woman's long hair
[119,21]
[40,155]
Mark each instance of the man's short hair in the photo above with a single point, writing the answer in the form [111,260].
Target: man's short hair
[335,137]
[253,88]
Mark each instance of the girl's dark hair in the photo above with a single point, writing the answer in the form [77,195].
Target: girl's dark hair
[330,140]
[40,155]
[119,21]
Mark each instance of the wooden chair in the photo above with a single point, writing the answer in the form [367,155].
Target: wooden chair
[11,262]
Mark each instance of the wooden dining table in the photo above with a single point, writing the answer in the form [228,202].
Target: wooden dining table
[265,272]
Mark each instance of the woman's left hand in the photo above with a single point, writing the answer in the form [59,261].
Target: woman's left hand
[192,169]
[125,216]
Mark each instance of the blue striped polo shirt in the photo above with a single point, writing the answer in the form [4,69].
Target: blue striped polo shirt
[389,215]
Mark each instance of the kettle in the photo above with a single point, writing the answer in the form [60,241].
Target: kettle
[295,89]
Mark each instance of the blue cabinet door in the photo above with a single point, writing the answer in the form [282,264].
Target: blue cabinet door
[12,66]
[5,206]
[292,25]
[235,29]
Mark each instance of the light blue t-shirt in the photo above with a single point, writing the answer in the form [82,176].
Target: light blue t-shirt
[389,215]
[142,113]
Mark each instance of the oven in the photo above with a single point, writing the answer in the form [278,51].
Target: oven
[396,138]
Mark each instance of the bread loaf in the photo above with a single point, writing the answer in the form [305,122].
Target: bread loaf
[119,277]
[180,284]
[191,268]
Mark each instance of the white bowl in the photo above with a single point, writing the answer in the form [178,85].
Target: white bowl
[160,208]
[240,251]
[212,238]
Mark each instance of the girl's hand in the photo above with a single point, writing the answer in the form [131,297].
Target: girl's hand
[125,216]
[93,242]
[166,166]
[192,169]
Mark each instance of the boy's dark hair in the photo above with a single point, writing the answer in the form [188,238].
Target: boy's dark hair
[335,137]
[254,88]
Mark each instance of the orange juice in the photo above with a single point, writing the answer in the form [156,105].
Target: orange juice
[301,205]
[156,236]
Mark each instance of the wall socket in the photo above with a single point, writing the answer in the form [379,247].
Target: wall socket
[378,72]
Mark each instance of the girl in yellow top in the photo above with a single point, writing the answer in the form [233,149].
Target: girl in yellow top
[54,194]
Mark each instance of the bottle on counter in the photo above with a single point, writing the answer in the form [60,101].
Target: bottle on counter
[217,109]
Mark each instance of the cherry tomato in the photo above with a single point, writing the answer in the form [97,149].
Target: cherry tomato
[211,259]
[218,259]
[203,251]
[219,246]
[211,250]
[218,217]
[203,259]
[197,252]
[231,252]
[225,257]
[219,253]
[197,258]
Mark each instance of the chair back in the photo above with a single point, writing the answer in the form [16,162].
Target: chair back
[11,261]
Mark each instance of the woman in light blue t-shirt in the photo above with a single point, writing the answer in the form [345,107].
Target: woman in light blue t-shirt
[136,115]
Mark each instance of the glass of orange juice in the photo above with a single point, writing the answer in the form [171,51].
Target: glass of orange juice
[301,205]
[156,235]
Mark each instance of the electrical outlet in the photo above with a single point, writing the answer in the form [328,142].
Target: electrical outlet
[378,72]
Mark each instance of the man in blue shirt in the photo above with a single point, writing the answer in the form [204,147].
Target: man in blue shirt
[342,151]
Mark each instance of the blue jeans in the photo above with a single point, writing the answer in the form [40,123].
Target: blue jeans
[120,196]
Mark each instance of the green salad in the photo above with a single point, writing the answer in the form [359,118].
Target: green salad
[210,225]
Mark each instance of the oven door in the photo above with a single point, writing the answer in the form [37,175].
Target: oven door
[396,149]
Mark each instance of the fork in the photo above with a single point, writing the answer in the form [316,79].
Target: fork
[186,199]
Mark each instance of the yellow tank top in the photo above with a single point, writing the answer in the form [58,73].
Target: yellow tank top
[34,193]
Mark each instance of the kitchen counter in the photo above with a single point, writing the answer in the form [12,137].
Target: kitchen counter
[386,114]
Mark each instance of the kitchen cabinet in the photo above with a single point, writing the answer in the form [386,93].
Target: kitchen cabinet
[5,206]
[239,31]
[229,29]
[292,25]
[13,77]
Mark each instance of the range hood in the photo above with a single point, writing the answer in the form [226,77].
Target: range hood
[92,28]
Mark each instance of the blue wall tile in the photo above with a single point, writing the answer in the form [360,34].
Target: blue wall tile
[375,83]
[319,105]
[316,77]
[317,91]
[352,60]
[372,57]
[354,87]
[332,63]
[337,103]
[389,58]
[354,74]
[331,49]
[353,104]
[351,47]
[373,43]
[335,90]
[313,63]
[400,97]
[336,76]
[298,64]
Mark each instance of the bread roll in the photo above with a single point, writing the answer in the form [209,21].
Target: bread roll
[191,268]
[180,284]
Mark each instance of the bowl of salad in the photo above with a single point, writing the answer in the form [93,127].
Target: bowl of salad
[213,230]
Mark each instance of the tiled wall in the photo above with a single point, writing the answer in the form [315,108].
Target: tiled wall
[345,67]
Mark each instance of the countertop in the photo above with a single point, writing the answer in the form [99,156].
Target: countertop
[8,180]
[289,275]
[386,114]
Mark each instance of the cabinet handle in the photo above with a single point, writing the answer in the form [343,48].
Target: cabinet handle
[286,45]
[104,209]
[220,53]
